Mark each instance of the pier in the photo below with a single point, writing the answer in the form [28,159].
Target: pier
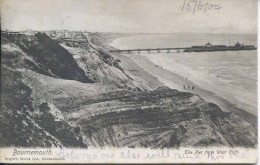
[203,48]
[158,50]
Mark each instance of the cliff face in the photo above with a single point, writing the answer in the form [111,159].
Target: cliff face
[24,124]
[163,118]
[46,56]
[28,121]
[100,67]
[45,101]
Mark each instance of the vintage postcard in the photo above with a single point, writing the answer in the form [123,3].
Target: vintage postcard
[128,81]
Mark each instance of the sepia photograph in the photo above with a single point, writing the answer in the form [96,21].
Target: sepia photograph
[129,81]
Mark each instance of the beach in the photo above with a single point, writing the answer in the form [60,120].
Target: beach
[176,81]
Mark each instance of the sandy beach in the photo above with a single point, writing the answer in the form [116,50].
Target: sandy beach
[175,81]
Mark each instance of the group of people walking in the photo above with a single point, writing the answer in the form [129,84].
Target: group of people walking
[188,87]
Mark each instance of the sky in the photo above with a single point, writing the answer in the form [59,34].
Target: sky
[129,16]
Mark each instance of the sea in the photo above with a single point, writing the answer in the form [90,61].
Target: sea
[227,73]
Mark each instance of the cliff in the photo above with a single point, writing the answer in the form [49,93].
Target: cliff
[55,93]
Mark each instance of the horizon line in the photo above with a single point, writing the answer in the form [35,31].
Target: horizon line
[125,32]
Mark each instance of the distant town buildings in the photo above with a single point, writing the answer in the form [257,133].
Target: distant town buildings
[64,34]
[52,33]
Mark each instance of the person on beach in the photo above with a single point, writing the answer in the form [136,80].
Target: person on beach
[188,87]
[184,87]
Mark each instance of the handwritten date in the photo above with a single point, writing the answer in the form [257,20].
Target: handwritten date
[199,5]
